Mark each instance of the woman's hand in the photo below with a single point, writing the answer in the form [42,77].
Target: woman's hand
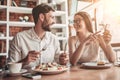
[101,41]
[104,41]
[107,36]
[92,37]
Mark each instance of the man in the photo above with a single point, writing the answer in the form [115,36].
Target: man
[37,45]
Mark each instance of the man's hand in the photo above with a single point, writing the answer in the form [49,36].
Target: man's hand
[32,56]
[63,59]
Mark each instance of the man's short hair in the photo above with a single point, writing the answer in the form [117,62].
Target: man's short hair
[42,8]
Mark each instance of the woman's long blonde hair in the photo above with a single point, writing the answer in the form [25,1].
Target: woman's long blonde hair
[88,21]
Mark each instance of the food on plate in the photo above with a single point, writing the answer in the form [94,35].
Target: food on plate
[49,67]
[100,63]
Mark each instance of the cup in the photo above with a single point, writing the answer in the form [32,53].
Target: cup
[14,67]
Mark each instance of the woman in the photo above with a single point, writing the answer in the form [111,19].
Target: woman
[85,45]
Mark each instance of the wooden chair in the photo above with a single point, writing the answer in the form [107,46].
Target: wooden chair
[2,47]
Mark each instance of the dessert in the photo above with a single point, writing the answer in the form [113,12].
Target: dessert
[100,63]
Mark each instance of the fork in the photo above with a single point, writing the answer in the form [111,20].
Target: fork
[65,48]
[43,49]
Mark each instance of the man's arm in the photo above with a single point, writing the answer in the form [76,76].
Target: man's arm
[14,50]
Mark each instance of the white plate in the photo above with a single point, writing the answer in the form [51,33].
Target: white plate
[51,72]
[14,74]
[117,64]
[93,65]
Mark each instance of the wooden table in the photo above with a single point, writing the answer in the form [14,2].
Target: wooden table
[77,73]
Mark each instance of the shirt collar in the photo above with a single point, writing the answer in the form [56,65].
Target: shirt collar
[35,36]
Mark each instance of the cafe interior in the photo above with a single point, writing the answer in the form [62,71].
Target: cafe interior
[16,16]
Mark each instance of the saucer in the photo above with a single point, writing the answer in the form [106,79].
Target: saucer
[16,74]
[93,65]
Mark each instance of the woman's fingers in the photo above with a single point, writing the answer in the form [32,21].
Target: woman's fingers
[107,36]
[93,37]
[106,32]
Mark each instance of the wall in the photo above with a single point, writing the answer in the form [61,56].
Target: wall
[13,17]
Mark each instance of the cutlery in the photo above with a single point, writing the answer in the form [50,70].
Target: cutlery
[65,48]
[43,49]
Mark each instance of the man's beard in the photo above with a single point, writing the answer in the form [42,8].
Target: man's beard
[46,25]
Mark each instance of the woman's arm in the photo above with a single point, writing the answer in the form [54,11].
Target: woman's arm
[75,54]
[107,48]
